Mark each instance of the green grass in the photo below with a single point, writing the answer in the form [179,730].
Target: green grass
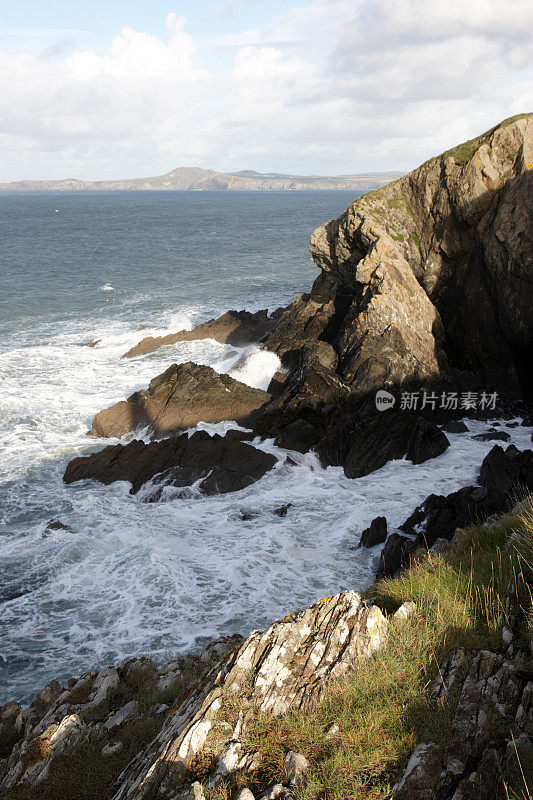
[385,708]
[462,153]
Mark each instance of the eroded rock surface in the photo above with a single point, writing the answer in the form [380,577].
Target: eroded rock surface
[282,669]
[180,398]
[428,279]
[223,464]
[234,327]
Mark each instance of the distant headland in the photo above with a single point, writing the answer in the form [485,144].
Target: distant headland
[196,179]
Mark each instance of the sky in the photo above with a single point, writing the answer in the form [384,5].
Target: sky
[124,88]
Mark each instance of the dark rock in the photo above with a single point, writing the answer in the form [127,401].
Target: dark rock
[246,516]
[426,441]
[506,475]
[282,510]
[290,461]
[225,466]
[375,534]
[439,516]
[57,525]
[511,424]
[454,426]
[234,327]
[180,398]
[239,436]
[395,556]
[299,435]
[371,441]
[490,436]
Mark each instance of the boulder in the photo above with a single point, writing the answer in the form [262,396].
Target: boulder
[282,510]
[375,534]
[180,398]
[224,466]
[237,328]
[506,473]
[426,441]
[395,556]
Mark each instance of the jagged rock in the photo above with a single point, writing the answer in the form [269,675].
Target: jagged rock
[234,327]
[375,534]
[180,398]
[282,510]
[396,555]
[295,768]
[504,472]
[225,466]
[455,426]
[112,748]
[56,723]
[124,714]
[405,611]
[300,435]
[494,689]
[280,670]
[439,516]
[426,441]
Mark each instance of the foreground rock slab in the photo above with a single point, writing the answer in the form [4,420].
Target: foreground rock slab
[224,465]
[234,327]
[282,669]
[180,398]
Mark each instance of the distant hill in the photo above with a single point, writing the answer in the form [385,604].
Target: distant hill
[196,179]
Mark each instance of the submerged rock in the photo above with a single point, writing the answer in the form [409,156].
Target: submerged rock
[219,464]
[234,327]
[180,398]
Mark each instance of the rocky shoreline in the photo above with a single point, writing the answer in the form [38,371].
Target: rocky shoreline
[425,290]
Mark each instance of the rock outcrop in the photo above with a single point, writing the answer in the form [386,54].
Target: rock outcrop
[234,327]
[180,398]
[427,280]
[214,697]
[219,464]
[490,740]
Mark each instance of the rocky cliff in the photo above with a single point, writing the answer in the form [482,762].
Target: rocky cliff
[432,272]
[425,282]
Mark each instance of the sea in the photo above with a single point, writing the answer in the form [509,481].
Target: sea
[83,277]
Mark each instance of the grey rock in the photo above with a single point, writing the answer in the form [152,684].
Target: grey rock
[295,768]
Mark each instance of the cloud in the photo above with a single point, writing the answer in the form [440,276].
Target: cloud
[330,86]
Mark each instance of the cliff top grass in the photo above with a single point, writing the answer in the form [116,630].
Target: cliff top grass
[385,709]
[462,153]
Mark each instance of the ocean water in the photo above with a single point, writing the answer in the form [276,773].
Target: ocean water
[133,577]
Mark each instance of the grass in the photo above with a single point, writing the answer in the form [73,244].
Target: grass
[385,709]
[462,153]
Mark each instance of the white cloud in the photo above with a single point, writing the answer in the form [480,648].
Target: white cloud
[329,86]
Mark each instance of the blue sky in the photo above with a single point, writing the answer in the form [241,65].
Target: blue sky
[114,89]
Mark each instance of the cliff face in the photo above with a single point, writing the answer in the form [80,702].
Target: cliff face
[432,274]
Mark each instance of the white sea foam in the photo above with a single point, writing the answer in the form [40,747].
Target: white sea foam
[256,367]
[155,578]
[107,288]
